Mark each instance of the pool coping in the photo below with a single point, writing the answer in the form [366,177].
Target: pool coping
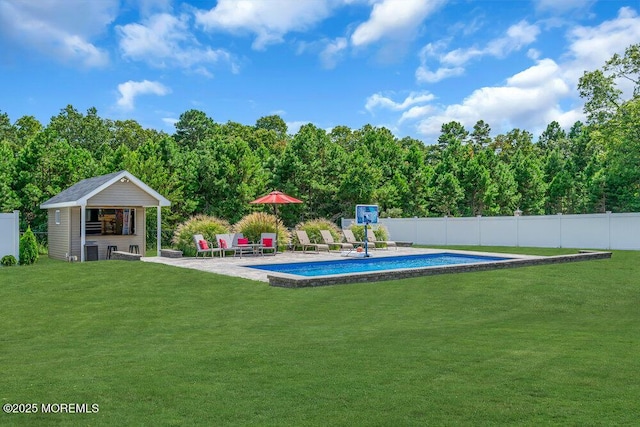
[294,281]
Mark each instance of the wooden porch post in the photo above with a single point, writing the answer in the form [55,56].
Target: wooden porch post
[159,230]
[83,221]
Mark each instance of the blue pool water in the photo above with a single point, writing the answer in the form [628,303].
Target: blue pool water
[363,265]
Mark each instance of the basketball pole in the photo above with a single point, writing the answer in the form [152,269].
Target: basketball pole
[366,237]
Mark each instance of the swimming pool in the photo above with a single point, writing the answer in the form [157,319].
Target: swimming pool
[366,265]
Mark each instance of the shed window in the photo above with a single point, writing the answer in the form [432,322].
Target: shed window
[57,216]
[111,221]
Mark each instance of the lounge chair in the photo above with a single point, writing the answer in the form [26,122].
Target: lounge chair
[349,237]
[380,243]
[267,243]
[306,243]
[204,247]
[225,243]
[328,239]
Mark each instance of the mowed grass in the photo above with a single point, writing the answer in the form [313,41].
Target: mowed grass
[157,345]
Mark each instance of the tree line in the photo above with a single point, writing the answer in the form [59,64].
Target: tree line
[212,168]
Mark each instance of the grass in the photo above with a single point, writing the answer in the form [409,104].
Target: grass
[156,345]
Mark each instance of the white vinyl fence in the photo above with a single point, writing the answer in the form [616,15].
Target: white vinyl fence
[593,231]
[10,234]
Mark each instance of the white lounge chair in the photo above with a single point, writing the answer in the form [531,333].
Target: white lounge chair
[328,239]
[306,243]
[380,243]
[204,247]
[349,237]
[225,243]
[267,243]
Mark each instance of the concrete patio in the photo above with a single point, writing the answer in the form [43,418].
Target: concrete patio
[236,266]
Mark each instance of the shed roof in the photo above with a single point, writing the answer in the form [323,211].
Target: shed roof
[78,194]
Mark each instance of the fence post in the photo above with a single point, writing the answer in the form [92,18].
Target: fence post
[16,239]
[560,227]
[609,230]
[517,214]
[446,231]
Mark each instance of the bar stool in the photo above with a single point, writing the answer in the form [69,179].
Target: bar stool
[110,249]
[134,249]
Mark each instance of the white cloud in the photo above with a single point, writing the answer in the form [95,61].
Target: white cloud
[53,28]
[504,108]
[378,100]
[278,113]
[528,100]
[423,74]
[269,21]
[452,63]
[591,47]
[294,127]
[159,35]
[74,47]
[533,54]
[535,76]
[165,40]
[417,112]
[517,36]
[333,52]
[461,56]
[170,122]
[531,99]
[130,90]
[393,19]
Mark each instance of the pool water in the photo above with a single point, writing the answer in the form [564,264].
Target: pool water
[363,265]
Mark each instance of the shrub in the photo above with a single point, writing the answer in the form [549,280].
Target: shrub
[206,225]
[8,260]
[253,225]
[379,230]
[313,228]
[28,248]
[358,232]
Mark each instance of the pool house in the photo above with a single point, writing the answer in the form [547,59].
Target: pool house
[98,215]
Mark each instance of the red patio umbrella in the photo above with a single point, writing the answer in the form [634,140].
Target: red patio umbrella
[276,198]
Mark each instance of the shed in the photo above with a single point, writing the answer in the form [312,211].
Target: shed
[102,212]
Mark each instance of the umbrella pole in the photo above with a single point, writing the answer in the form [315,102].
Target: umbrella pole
[275,212]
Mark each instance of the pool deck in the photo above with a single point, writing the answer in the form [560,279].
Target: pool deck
[238,267]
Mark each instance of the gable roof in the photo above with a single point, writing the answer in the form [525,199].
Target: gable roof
[78,194]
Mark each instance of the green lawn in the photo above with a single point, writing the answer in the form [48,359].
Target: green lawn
[155,345]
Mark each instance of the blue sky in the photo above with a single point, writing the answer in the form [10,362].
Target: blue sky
[408,65]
